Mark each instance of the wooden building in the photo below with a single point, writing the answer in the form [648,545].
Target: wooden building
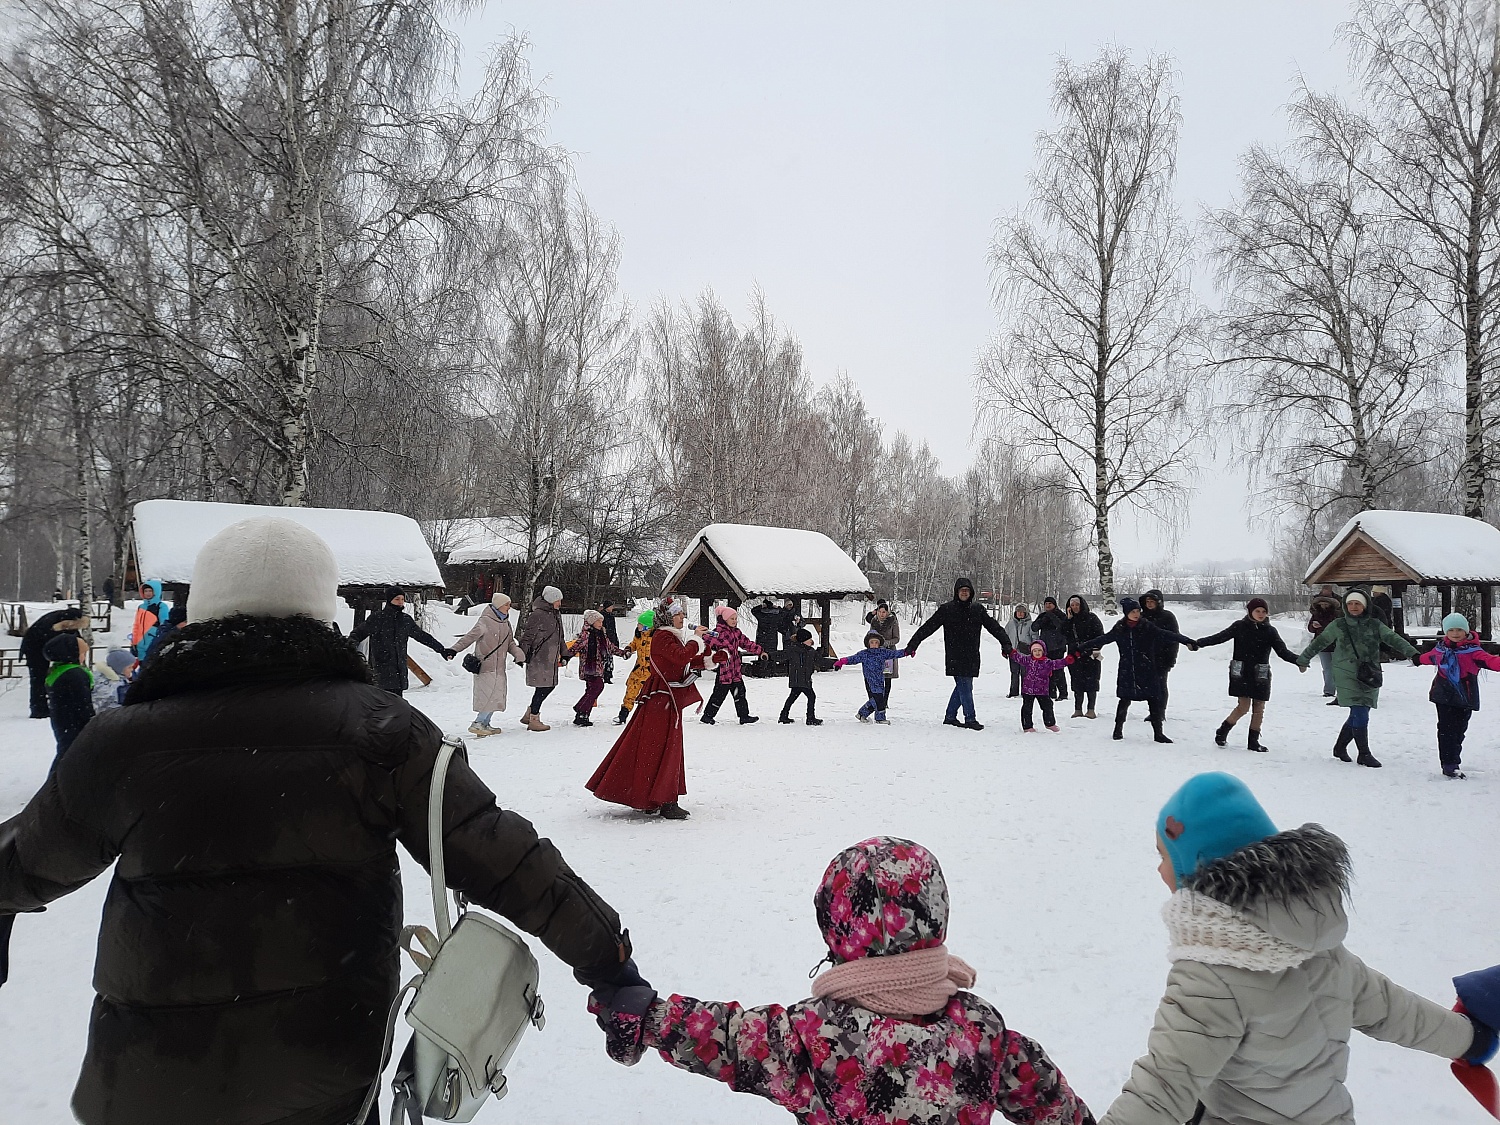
[1403,549]
[733,563]
[487,555]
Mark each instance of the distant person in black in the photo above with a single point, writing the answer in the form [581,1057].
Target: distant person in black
[34,642]
[389,628]
[70,688]
[1154,609]
[961,621]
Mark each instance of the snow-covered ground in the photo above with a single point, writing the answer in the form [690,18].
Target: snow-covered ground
[1046,840]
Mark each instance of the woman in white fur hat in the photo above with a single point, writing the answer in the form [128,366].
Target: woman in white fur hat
[494,642]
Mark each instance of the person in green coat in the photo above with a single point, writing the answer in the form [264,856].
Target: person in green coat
[1358,636]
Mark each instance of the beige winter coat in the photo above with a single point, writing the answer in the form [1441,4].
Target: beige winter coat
[493,641]
[1256,1018]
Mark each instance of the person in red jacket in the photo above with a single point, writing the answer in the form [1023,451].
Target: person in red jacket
[644,769]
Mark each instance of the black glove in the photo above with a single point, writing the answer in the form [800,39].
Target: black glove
[622,1018]
[449,654]
[1416,659]
[605,982]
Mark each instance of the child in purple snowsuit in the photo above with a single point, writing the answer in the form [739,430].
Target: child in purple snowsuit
[730,645]
[874,658]
[1458,656]
[890,1033]
[1036,683]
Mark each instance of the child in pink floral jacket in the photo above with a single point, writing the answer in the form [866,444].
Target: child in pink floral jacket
[1036,683]
[889,1034]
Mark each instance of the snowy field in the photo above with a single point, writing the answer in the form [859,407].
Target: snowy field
[1046,840]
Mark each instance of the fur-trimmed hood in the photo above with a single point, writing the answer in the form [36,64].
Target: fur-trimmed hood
[236,650]
[1292,885]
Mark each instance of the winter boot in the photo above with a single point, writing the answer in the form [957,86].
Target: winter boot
[534,722]
[1254,743]
[746,720]
[1121,710]
[783,718]
[526,718]
[1362,740]
[1341,746]
[973,724]
[672,811]
[1453,773]
[881,719]
[1053,727]
[1221,736]
[1157,734]
[814,721]
[581,720]
[621,717]
[707,718]
[864,713]
[1078,705]
[951,721]
[479,730]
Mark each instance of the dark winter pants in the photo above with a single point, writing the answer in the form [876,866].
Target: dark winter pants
[1453,723]
[1059,684]
[963,696]
[1048,718]
[1161,700]
[812,702]
[876,703]
[538,697]
[592,686]
[1153,711]
[716,700]
[1079,696]
[38,673]
[1015,678]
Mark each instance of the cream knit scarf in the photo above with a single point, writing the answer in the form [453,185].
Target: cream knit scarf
[1205,930]
[900,985]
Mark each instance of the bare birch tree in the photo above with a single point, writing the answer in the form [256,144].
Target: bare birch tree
[1327,335]
[1093,366]
[851,473]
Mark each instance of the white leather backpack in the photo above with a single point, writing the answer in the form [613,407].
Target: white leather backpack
[476,993]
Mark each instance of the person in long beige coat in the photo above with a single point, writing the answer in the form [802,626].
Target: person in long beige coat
[543,641]
[494,642]
[1262,996]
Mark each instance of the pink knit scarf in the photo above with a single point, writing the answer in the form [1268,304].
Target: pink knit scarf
[900,985]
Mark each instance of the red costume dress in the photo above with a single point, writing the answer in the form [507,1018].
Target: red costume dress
[644,767]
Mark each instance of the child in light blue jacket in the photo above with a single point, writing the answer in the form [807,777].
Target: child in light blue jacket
[874,658]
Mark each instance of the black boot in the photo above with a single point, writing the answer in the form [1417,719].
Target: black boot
[1362,740]
[581,720]
[1341,746]
[813,720]
[783,718]
[1221,736]
[1121,710]
[1156,731]
[1254,743]
[672,811]
[621,717]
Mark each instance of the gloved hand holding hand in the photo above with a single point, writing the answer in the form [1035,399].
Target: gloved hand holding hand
[1482,1050]
[1416,659]
[839,663]
[619,1003]
[449,654]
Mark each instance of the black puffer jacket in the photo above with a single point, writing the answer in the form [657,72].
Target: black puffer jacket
[961,622]
[388,629]
[1250,659]
[1164,619]
[771,622]
[1081,627]
[253,790]
[1138,675]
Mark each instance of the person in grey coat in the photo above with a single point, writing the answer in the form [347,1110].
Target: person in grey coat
[1262,995]
[543,643]
[1021,630]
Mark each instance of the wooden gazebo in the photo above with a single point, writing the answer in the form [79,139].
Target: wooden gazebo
[736,562]
[373,550]
[1402,549]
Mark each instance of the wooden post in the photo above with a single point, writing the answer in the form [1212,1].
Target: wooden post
[703,604]
[826,605]
[1398,607]
[1447,595]
[1484,614]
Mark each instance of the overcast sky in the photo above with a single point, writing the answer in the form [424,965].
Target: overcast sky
[850,159]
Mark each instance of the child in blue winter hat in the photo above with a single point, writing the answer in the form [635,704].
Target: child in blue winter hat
[874,657]
[1457,656]
[1262,996]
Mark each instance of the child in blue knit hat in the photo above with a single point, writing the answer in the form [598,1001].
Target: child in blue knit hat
[1262,996]
[1458,656]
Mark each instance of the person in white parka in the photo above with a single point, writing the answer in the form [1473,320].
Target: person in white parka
[1262,996]
[494,640]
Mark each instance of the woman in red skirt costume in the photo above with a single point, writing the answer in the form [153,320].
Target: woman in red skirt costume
[644,768]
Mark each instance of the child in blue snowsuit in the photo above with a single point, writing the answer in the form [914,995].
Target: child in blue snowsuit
[874,658]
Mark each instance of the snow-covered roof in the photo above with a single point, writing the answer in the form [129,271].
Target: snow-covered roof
[773,560]
[1429,546]
[372,548]
[496,539]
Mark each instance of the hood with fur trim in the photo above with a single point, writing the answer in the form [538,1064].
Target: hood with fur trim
[235,650]
[1292,885]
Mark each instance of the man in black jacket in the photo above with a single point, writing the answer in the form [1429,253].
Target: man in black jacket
[250,795]
[389,628]
[772,623]
[1051,629]
[1154,609]
[961,620]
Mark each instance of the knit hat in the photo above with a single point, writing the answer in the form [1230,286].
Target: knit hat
[392,593]
[875,633]
[119,660]
[1211,816]
[882,896]
[1356,596]
[647,620]
[670,607]
[62,649]
[500,601]
[267,566]
[1256,603]
[590,616]
[551,594]
[1042,643]
[803,636]
[1456,621]
[727,614]
[1128,604]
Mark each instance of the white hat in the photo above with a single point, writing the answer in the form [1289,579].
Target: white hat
[592,615]
[551,594]
[500,601]
[1356,596]
[265,567]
